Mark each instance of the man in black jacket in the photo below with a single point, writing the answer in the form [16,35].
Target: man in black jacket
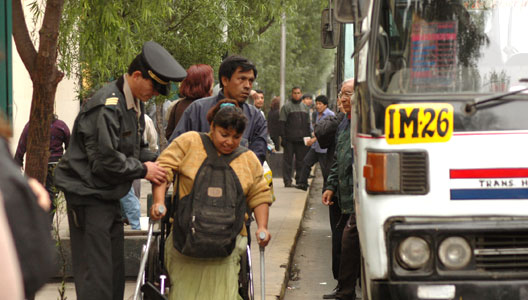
[294,119]
[106,153]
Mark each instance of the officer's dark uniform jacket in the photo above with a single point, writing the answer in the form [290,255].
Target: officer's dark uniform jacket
[106,147]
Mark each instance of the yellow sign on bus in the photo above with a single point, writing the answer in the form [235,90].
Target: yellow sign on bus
[418,123]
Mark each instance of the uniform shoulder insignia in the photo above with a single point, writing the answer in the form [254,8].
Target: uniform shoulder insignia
[111,101]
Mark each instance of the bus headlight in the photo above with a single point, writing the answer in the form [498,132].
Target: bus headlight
[413,253]
[455,253]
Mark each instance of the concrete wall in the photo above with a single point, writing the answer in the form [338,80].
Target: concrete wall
[66,105]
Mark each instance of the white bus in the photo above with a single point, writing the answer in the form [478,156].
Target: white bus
[441,147]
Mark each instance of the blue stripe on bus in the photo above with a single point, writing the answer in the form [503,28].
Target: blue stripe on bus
[488,194]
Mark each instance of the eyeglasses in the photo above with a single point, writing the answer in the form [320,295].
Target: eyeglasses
[344,95]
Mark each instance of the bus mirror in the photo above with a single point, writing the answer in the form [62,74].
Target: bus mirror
[330,30]
[348,11]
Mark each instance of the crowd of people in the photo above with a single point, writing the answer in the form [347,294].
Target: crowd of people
[114,144]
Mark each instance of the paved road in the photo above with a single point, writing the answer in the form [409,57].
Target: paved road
[311,274]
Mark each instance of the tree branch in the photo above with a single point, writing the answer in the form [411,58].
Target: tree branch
[188,14]
[263,29]
[49,34]
[240,45]
[24,45]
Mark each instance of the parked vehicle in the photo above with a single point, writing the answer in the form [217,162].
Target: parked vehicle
[440,144]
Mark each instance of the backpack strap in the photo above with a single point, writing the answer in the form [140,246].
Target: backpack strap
[208,145]
[212,153]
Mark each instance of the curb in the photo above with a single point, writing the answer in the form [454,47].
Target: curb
[294,245]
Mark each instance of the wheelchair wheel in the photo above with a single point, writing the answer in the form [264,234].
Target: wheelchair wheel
[244,277]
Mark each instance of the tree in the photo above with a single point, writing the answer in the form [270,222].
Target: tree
[307,63]
[194,31]
[45,76]
[95,40]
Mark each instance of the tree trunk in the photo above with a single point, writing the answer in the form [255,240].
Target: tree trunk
[159,127]
[42,68]
[39,128]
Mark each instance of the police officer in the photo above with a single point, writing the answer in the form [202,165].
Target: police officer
[106,153]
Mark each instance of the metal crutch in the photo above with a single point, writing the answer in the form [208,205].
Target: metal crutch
[262,236]
[144,256]
[251,287]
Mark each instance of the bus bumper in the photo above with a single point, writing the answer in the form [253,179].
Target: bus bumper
[466,290]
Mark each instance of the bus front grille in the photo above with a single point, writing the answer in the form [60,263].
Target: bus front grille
[414,173]
[502,252]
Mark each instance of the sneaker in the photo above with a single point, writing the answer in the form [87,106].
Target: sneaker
[302,186]
[288,185]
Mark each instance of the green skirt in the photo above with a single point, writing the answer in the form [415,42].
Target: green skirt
[204,278]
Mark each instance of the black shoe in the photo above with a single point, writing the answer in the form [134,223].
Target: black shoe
[332,295]
[288,185]
[302,186]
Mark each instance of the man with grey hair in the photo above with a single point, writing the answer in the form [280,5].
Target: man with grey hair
[341,182]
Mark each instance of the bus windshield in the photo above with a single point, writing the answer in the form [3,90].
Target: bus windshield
[451,46]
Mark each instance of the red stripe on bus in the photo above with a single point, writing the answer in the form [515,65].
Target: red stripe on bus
[489,173]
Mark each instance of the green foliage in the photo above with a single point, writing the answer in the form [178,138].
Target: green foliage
[104,36]
[99,38]
[307,64]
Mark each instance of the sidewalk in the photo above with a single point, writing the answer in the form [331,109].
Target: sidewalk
[284,223]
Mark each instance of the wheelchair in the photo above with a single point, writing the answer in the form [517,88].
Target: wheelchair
[153,280]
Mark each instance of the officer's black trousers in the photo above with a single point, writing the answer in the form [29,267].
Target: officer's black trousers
[97,244]
[291,150]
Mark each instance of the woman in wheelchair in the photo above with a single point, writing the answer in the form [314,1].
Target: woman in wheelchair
[212,278]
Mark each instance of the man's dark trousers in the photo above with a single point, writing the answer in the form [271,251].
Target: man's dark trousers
[350,262]
[337,225]
[309,161]
[97,242]
[291,149]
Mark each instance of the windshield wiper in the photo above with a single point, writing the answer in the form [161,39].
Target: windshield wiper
[480,101]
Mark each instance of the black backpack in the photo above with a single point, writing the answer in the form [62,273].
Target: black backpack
[208,220]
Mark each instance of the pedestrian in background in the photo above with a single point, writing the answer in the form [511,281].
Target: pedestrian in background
[258,101]
[307,99]
[198,84]
[236,75]
[316,153]
[294,119]
[341,182]
[130,204]
[195,278]
[107,152]
[273,122]
[59,140]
